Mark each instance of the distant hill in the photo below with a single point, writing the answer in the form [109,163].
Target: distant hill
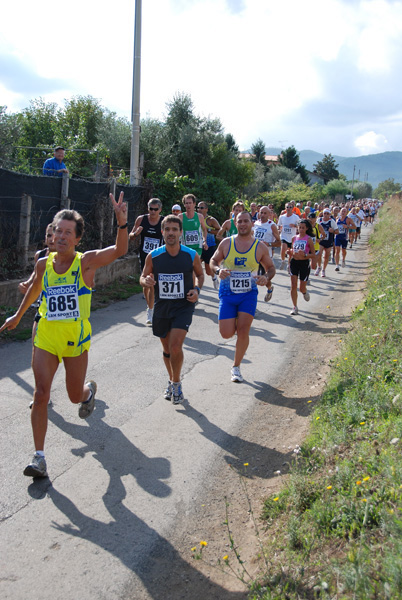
[378,166]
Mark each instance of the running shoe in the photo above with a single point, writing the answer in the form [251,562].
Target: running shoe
[317,271]
[333,260]
[235,375]
[294,311]
[283,262]
[323,273]
[351,246]
[177,393]
[169,391]
[337,268]
[306,296]
[268,295]
[150,313]
[215,283]
[36,468]
[343,264]
[87,408]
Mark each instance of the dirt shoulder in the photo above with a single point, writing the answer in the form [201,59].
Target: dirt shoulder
[278,423]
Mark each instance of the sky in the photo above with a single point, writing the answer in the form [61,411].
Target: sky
[320,75]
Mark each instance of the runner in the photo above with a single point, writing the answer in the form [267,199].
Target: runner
[240,255]
[318,232]
[149,228]
[356,223]
[170,270]
[301,252]
[213,228]
[287,226]
[254,212]
[266,231]
[341,239]
[194,228]
[176,209]
[229,227]
[66,278]
[329,226]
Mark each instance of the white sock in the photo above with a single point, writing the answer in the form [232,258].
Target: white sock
[40,453]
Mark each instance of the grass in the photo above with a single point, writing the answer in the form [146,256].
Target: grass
[101,297]
[335,530]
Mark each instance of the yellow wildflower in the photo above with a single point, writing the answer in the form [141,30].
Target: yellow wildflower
[193,549]
[225,557]
[276,499]
[329,487]
[202,543]
[358,482]
[245,464]
[366,478]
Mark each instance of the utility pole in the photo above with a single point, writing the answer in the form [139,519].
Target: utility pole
[353,180]
[135,176]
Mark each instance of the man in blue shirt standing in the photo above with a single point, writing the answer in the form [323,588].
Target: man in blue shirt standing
[55,167]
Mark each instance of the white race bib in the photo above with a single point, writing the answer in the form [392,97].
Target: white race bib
[192,238]
[300,246]
[240,282]
[259,233]
[150,244]
[341,229]
[287,229]
[171,287]
[62,302]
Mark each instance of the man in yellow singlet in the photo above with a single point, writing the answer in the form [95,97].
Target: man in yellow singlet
[240,255]
[65,278]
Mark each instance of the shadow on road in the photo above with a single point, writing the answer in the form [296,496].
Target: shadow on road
[161,571]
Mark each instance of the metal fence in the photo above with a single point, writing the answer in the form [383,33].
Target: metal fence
[28,203]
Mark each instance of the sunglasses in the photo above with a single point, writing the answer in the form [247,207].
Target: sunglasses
[153,208]
[201,207]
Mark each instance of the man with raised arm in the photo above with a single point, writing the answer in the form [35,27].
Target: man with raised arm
[65,278]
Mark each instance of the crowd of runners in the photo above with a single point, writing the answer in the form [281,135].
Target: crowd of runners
[238,256]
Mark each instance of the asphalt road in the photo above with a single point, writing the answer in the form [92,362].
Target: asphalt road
[121,482]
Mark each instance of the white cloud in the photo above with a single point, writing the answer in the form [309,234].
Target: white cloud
[371,143]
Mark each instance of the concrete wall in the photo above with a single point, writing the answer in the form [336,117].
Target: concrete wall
[10,296]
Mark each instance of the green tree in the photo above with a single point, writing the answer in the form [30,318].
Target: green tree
[280,177]
[386,188]
[336,187]
[258,152]
[290,158]
[362,189]
[327,168]
[9,135]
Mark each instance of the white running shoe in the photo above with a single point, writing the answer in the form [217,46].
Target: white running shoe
[177,393]
[150,314]
[36,468]
[86,408]
[215,283]
[323,273]
[337,268]
[294,311]
[169,391]
[236,376]
[269,293]
[306,296]
[343,264]
[317,271]
[283,262]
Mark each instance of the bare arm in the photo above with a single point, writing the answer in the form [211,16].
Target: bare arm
[204,232]
[192,295]
[225,227]
[147,276]
[264,258]
[32,293]
[218,257]
[136,230]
